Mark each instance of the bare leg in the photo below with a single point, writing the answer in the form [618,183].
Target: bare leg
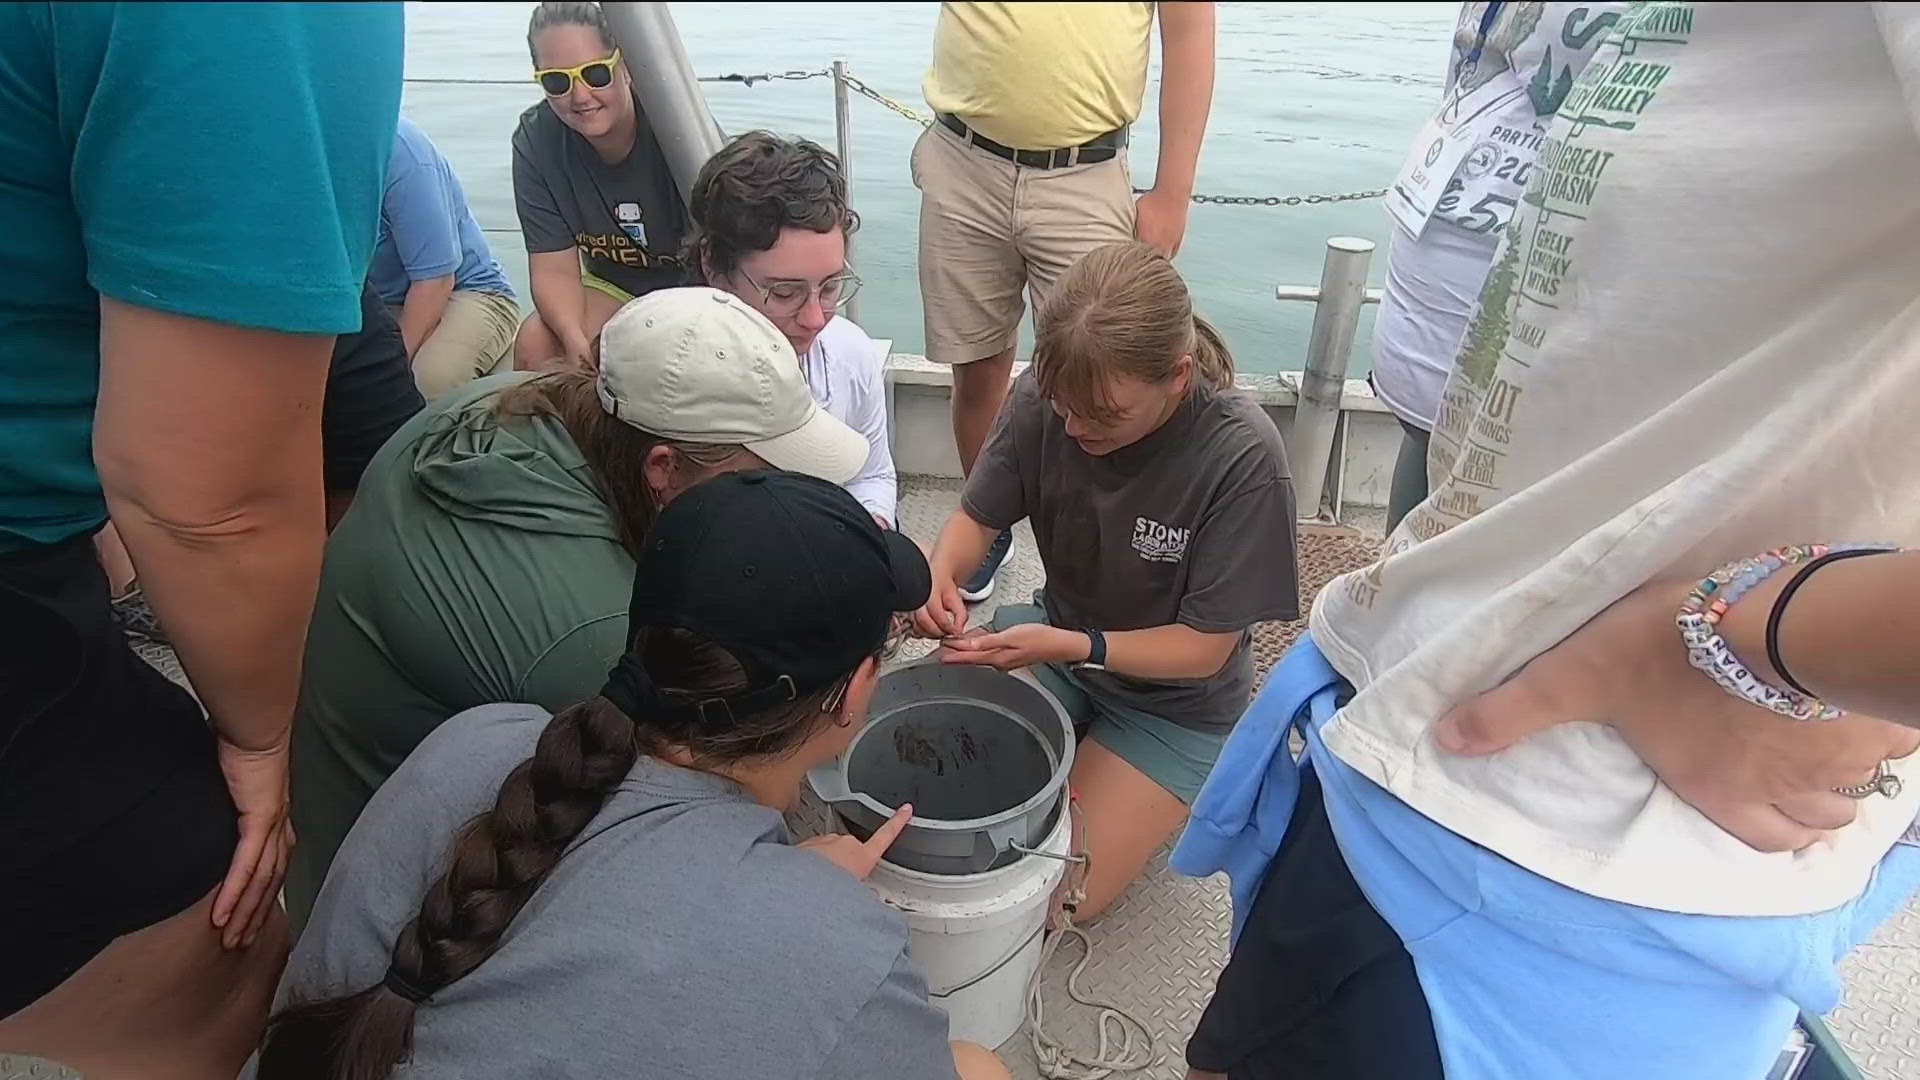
[979,389]
[535,348]
[975,1062]
[163,1003]
[114,560]
[1196,1074]
[1128,817]
[538,348]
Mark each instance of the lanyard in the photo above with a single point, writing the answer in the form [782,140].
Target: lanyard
[1486,27]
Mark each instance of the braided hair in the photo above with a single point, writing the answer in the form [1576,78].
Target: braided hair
[500,858]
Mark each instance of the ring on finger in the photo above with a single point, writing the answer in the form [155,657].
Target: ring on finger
[1882,783]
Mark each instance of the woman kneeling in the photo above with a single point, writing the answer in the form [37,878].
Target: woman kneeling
[1163,513]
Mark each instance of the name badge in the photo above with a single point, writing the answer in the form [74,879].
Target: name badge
[1442,145]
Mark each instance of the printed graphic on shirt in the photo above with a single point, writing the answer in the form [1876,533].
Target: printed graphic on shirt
[1159,543]
[1484,191]
[628,216]
[622,249]
[1508,334]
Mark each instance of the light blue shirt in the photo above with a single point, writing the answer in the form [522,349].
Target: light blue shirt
[426,229]
[1527,979]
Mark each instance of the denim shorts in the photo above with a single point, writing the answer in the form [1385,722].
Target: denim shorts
[1175,757]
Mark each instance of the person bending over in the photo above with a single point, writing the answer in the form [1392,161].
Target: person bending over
[1163,512]
[612,890]
[770,225]
[490,546]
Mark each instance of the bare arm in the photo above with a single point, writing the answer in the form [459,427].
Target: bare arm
[426,303]
[207,439]
[1186,96]
[561,299]
[1174,651]
[963,543]
[1849,634]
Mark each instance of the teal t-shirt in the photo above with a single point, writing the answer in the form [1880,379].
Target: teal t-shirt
[221,161]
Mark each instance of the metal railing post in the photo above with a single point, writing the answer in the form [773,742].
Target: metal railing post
[664,82]
[843,140]
[1316,417]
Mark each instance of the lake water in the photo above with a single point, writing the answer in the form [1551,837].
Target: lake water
[1310,98]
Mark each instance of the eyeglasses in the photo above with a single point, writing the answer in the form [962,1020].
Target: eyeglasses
[788,297]
[597,74]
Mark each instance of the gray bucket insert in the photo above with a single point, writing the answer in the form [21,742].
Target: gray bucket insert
[982,755]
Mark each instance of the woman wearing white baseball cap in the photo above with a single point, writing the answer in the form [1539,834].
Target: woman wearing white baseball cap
[488,555]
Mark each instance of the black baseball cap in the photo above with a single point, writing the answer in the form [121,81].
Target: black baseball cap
[786,572]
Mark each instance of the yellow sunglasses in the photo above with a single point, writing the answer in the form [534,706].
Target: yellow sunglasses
[597,74]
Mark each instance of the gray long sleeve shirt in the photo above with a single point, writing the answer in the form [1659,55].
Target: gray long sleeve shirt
[682,938]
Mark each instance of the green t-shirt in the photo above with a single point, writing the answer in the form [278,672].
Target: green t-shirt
[479,564]
[222,161]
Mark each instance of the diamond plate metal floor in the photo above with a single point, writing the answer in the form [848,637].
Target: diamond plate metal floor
[1159,948]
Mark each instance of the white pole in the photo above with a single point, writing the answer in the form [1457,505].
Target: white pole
[664,82]
[843,139]
[1316,417]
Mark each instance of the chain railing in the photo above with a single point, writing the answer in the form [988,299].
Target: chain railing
[906,112]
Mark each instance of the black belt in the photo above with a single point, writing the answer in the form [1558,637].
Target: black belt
[1098,148]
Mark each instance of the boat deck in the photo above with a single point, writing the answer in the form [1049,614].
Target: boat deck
[1159,948]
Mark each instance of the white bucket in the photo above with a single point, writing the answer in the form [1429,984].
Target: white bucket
[977,937]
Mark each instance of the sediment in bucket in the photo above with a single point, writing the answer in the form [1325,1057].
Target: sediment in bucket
[953,760]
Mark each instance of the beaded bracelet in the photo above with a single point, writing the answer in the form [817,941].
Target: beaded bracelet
[1699,621]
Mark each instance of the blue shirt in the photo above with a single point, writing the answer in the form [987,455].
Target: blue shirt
[426,229]
[132,168]
[1527,979]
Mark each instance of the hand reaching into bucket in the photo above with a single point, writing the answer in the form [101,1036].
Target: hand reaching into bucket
[858,857]
[945,613]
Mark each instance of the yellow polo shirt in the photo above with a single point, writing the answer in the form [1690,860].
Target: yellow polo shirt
[1040,76]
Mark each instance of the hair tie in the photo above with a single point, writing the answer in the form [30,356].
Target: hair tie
[630,689]
[405,987]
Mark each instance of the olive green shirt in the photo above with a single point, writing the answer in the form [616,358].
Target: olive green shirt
[479,564]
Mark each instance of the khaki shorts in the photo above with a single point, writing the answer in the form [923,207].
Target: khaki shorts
[989,230]
[475,334]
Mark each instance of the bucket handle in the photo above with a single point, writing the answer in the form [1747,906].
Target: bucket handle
[1023,849]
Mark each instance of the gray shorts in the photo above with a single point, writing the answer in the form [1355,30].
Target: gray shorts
[1177,758]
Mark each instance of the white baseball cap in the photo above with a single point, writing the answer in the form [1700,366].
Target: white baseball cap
[700,365]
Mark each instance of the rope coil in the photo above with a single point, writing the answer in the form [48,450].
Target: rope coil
[1057,1059]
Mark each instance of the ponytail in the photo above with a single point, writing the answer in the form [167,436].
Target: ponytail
[1122,310]
[1211,355]
[499,860]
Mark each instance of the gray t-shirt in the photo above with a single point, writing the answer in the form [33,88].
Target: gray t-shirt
[682,938]
[1193,524]
[627,218]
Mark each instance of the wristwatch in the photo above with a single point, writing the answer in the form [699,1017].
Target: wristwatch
[1096,651]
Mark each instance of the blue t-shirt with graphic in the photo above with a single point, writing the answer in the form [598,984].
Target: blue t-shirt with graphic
[426,229]
[131,169]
